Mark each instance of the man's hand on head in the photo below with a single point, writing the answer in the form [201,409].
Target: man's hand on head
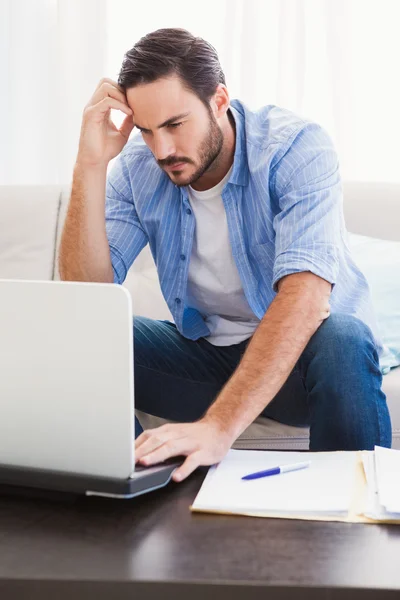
[203,443]
[100,140]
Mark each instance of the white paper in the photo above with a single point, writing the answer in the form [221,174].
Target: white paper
[388,476]
[374,509]
[323,488]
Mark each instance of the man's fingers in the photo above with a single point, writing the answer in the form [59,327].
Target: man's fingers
[142,438]
[106,104]
[127,126]
[107,88]
[172,447]
[196,441]
[107,80]
[147,434]
[146,446]
[108,91]
[147,439]
[163,431]
[191,463]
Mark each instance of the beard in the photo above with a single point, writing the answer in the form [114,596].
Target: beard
[209,152]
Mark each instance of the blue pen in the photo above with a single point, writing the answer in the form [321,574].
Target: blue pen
[278,470]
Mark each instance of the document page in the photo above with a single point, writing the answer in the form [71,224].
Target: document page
[387,462]
[373,508]
[325,487]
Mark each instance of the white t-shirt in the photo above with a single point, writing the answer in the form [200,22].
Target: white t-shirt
[214,286]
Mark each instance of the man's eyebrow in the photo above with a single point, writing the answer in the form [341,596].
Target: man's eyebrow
[167,122]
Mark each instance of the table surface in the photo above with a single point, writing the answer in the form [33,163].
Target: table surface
[153,545]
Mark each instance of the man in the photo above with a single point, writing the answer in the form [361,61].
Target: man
[243,214]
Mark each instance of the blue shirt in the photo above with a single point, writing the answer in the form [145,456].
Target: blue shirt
[284,208]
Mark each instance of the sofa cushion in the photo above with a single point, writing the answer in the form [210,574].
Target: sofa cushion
[28,222]
[379,260]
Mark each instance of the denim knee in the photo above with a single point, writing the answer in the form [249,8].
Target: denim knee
[343,378]
[343,335]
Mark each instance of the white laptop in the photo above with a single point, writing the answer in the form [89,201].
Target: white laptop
[66,390]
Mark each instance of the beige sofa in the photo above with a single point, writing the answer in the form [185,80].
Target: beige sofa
[31,219]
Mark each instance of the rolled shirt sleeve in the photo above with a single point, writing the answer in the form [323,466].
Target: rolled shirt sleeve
[309,193]
[125,234]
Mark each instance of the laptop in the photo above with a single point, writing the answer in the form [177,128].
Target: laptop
[67,392]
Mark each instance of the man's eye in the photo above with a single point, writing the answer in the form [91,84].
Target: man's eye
[175,125]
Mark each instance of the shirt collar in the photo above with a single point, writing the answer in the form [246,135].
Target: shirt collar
[240,172]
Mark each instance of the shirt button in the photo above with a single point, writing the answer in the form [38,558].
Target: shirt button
[188,211]
[178,300]
[183,257]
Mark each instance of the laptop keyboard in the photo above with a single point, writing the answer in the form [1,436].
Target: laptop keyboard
[141,469]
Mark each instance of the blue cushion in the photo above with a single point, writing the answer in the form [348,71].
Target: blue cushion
[379,261]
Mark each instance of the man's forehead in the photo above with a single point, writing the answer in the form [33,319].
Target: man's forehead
[155,104]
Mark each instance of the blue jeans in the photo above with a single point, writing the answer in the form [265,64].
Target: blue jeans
[334,388]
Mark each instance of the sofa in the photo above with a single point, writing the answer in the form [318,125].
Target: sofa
[31,221]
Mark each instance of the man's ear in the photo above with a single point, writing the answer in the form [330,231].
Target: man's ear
[220,101]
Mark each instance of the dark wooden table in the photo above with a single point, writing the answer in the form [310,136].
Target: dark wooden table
[153,547]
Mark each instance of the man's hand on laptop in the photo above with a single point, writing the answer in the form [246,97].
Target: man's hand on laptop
[203,442]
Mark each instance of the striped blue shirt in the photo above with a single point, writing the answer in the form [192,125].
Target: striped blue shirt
[284,209]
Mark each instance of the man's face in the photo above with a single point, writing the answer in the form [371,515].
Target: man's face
[182,134]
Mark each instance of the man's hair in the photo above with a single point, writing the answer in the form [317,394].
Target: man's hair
[173,51]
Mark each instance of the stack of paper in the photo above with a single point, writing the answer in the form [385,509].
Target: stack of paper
[325,488]
[333,487]
[382,470]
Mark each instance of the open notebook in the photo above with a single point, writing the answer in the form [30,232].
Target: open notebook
[338,486]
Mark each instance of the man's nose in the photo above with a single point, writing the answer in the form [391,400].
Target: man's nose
[163,147]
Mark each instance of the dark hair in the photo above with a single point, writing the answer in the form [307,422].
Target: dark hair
[173,51]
